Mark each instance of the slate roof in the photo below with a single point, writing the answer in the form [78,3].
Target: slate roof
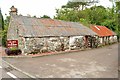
[39,27]
[102,31]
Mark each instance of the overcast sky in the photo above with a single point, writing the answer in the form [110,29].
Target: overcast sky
[37,7]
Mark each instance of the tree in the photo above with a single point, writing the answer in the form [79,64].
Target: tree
[79,5]
[66,14]
[34,16]
[97,15]
[86,16]
[4,32]
[1,28]
[45,16]
[75,5]
[74,11]
[6,21]
[118,19]
[1,21]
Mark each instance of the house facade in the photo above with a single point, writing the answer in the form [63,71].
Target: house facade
[45,35]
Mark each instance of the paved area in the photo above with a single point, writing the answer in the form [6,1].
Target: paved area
[0,69]
[2,51]
[8,72]
[96,63]
[3,73]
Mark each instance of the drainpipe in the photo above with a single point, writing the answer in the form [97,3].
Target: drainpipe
[17,30]
[69,42]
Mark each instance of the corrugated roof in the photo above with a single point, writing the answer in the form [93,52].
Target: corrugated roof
[102,30]
[37,27]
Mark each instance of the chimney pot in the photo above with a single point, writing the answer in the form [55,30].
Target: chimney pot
[13,11]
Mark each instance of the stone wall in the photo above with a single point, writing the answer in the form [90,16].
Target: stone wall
[76,42]
[46,44]
[107,40]
[52,44]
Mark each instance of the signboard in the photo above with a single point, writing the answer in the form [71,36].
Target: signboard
[12,43]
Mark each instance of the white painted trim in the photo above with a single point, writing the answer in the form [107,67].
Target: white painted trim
[11,75]
[97,28]
[0,66]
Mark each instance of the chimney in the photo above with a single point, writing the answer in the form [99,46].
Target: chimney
[13,11]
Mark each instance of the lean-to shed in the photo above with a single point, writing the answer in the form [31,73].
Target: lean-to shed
[106,35]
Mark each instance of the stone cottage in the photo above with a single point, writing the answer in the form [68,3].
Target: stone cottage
[43,35]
